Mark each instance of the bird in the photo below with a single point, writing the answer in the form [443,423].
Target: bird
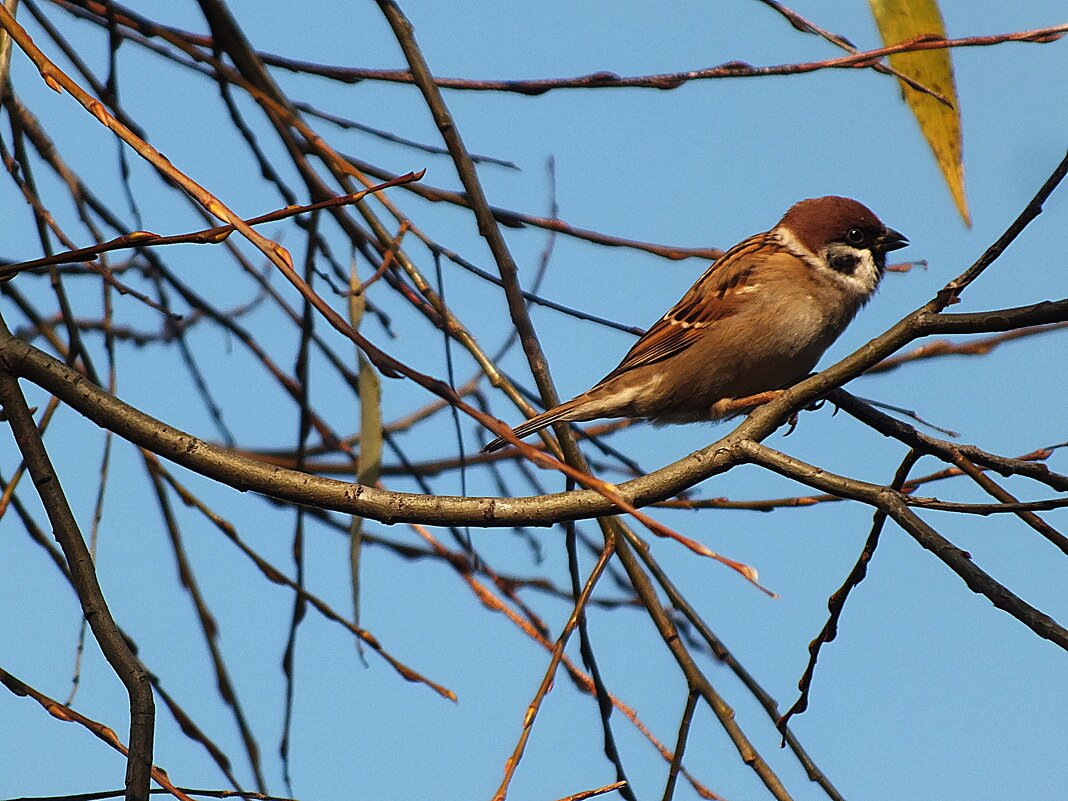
[756,321]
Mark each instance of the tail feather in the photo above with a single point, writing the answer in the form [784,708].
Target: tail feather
[536,423]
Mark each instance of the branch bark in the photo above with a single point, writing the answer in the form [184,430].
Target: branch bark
[242,473]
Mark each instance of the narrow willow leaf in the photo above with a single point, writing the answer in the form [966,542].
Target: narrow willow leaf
[369,458]
[899,21]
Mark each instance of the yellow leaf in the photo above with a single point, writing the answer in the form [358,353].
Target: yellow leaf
[899,21]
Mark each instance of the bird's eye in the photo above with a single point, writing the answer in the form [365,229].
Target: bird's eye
[856,237]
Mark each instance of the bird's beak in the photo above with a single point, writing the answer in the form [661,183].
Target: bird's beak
[889,240]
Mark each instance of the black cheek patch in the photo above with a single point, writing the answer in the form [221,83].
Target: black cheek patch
[844,263]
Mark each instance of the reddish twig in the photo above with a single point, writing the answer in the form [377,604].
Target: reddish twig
[609,80]
[207,236]
[65,713]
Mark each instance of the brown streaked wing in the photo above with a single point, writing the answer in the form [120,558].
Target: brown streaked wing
[712,298]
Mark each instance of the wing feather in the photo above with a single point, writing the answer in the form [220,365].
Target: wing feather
[721,292]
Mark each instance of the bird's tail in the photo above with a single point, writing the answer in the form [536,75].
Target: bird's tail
[538,422]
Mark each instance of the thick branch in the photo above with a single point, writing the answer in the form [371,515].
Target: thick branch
[241,473]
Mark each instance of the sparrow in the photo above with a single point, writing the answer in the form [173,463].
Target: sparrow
[758,320]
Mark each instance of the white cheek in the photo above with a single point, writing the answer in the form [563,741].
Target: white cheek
[865,276]
[859,284]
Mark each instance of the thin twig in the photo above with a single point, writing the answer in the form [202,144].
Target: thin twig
[836,603]
[550,673]
[65,713]
[83,573]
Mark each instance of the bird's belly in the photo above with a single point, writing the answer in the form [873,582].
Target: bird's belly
[774,358]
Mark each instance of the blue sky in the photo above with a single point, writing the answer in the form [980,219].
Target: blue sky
[928,693]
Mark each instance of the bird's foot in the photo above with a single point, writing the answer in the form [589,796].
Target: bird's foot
[728,407]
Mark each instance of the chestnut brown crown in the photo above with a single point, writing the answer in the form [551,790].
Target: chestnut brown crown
[820,221]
